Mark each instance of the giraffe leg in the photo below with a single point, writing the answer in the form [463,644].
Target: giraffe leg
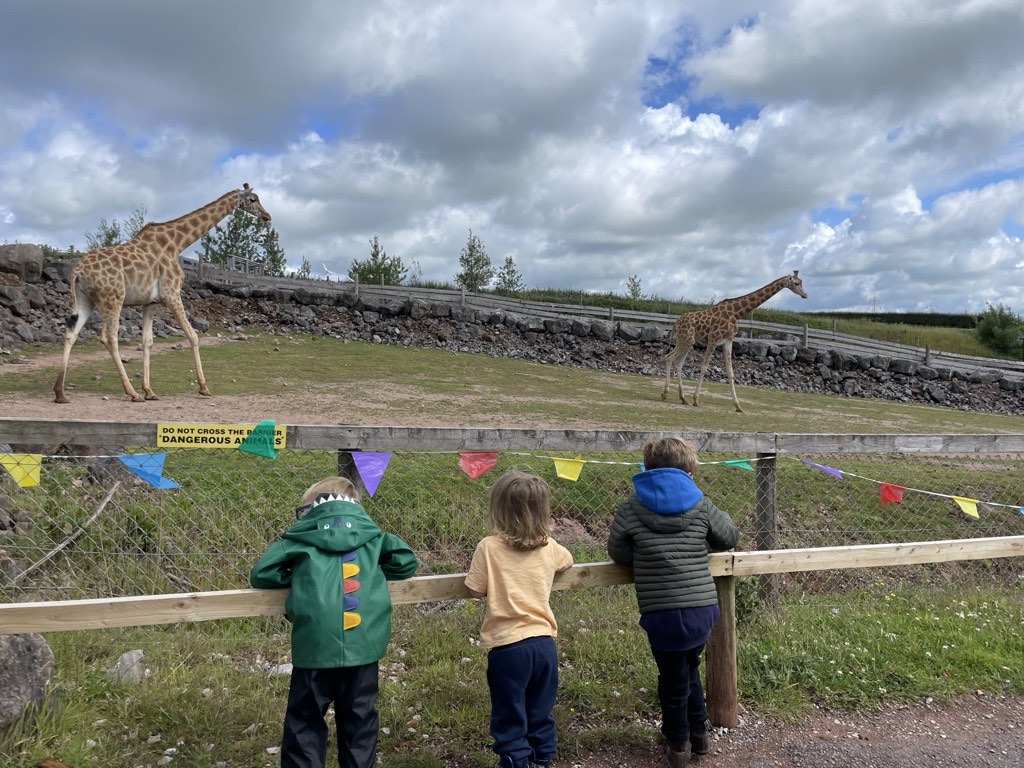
[670,365]
[727,351]
[704,363]
[147,346]
[75,323]
[679,373]
[174,302]
[108,336]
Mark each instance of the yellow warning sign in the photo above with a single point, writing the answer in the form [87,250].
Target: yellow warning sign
[210,435]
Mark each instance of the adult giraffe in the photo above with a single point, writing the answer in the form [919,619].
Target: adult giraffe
[716,326]
[144,272]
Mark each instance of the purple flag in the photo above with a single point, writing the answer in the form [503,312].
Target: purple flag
[371,466]
[827,470]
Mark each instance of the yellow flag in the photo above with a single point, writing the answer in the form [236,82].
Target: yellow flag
[23,467]
[969,506]
[569,469]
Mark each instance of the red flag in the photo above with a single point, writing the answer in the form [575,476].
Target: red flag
[890,492]
[475,463]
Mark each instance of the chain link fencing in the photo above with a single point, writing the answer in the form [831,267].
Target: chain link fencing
[59,540]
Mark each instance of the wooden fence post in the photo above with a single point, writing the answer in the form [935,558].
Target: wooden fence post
[723,698]
[766,535]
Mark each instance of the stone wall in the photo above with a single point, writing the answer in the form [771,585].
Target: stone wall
[32,313]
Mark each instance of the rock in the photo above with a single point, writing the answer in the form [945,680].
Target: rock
[23,260]
[26,665]
[129,667]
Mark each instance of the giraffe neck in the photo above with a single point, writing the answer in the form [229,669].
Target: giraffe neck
[743,305]
[178,234]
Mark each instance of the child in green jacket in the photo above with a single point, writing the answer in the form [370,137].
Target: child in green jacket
[337,563]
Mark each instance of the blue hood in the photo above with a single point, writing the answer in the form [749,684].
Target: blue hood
[667,491]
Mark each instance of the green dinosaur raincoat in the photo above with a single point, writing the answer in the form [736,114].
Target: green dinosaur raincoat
[337,563]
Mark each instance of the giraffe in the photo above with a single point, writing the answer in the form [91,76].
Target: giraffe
[716,326]
[144,272]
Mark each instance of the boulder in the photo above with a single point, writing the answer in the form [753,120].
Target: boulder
[23,260]
[26,665]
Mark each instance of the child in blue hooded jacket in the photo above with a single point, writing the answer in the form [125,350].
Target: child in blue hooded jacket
[664,530]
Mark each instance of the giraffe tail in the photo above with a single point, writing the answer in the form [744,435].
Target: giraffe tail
[73,290]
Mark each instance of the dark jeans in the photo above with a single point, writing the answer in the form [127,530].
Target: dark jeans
[680,692]
[523,678]
[353,690]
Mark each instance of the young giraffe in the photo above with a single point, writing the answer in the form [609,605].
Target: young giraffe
[716,326]
[144,272]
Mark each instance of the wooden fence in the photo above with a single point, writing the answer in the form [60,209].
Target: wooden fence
[53,616]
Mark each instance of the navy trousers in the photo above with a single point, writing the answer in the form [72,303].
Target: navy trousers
[680,692]
[523,680]
[353,690]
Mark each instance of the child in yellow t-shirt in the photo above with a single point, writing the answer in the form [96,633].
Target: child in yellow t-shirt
[513,569]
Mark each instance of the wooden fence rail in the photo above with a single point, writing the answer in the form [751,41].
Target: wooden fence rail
[723,693]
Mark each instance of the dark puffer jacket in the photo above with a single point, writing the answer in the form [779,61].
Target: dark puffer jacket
[664,530]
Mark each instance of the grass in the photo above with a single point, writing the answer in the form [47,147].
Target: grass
[866,639]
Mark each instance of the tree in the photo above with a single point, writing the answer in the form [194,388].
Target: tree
[477,270]
[246,239]
[509,280]
[305,271]
[634,290]
[115,232]
[999,328]
[379,269]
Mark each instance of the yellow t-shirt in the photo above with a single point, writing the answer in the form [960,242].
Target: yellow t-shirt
[517,585]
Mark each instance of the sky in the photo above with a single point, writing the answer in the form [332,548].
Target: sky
[702,147]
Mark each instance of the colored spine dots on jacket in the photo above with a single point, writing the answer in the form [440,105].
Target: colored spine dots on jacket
[350,584]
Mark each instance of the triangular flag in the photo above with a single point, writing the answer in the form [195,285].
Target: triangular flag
[475,463]
[739,464]
[261,440]
[827,470]
[889,492]
[569,469]
[23,467]
[969,506]
[150,467]
[371,466]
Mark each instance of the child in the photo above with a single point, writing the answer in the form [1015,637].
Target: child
[664,530]
[337,563]
[514,569]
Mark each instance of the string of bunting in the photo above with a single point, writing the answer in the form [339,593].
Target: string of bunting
[25,468]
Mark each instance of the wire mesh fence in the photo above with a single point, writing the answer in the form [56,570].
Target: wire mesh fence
[93,527]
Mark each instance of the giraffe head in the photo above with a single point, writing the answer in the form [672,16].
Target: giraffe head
[795,284]
[249,202]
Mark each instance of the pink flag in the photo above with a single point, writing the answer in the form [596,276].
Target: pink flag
[890,492]
[371,466]
[475,463]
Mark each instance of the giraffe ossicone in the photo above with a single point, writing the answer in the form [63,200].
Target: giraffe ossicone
[715,327]
[144,272]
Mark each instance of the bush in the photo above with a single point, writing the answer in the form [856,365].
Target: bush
[1000,329]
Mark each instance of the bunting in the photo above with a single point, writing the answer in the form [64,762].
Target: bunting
[260,441]
[24,468]
[969,506]
[827,470]
[569,469]
[890,493]
[475,463]
[371,466]
[150,467]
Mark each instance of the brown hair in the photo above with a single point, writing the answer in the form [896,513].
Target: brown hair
[339,486]
[521,510]
[670,452]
